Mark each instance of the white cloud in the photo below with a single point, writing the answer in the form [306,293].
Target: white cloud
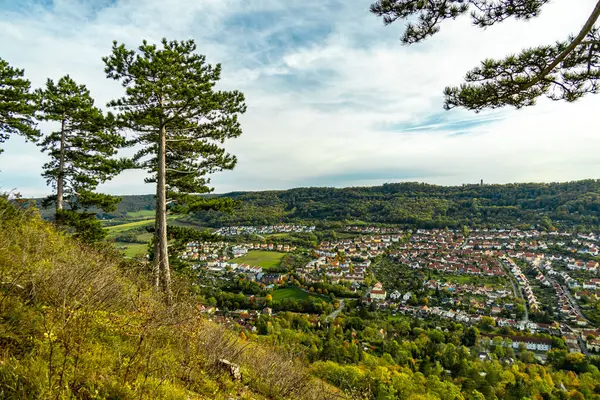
[325,83]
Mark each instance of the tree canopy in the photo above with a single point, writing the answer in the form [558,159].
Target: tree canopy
[180,122]
[17,106]
[566,70]
[81,152]
[568,205]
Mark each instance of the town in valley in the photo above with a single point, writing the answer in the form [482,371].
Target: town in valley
[526,287]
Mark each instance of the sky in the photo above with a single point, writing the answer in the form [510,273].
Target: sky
[334,98]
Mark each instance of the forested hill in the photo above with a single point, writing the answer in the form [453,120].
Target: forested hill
[566,204]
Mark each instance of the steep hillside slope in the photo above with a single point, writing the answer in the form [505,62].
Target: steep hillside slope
[77,322]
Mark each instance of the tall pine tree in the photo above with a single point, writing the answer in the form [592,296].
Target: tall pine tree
[81,152]
[179,120]
[17,105]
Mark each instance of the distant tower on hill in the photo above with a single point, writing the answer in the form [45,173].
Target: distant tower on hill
[482,182]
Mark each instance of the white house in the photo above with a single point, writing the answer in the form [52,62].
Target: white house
[378,292]
[239,251]
[531,343]
[395,295]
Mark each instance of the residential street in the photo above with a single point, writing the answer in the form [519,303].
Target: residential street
[582,346]
[574,303]
[516,289]
[334,314]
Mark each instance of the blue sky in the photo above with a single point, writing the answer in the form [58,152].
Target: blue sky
[334,98]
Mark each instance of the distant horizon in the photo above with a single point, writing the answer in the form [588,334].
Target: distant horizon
[341,187]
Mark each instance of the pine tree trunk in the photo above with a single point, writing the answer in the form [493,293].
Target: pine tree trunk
[162,256]
[156,263]
[61,170]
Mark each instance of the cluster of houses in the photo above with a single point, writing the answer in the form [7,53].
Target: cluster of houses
[532,301]
[362,247]
[424,239]
[584,285]
[547,261]
[502,239]
[443,251]
[222,266]
[448,251]
[590,266]
[533,240]
[263,230]
[495,299]
[566,308]
[205,251]
[588,243]
[539,275]
[253,273]
[471,262]
[242,249]
[370,230]
[335,269]
[465,317]
[528,342]
[591,338]
[218,251]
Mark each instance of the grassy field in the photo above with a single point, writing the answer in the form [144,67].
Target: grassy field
[135,249]
[124,227]
[265,259]
[132,249]
[146,237]
[293,293]
[142,214]
[347,235]
[186,224]
[136,224]
[497,282]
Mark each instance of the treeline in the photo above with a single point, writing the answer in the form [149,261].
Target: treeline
[544,205]
[128,204]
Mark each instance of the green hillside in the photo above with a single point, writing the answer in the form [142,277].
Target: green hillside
[567,204]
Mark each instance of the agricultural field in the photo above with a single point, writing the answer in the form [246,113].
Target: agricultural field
[136,229]
[265,259]
[141,214]
[130,225]
[127,225]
